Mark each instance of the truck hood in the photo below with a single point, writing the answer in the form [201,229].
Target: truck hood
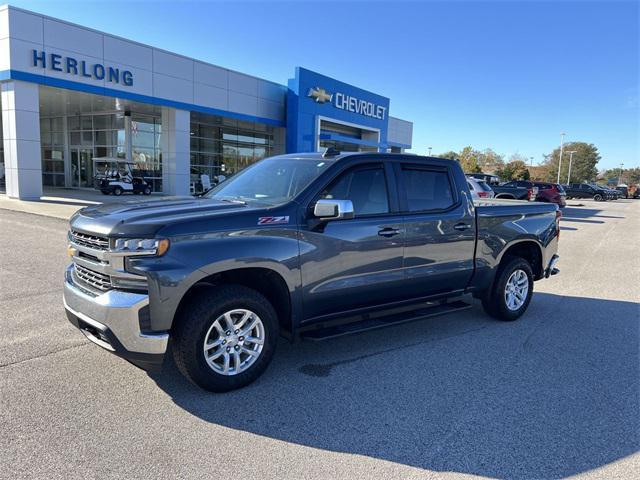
[146,217]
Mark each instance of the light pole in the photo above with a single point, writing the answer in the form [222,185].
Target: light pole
[531,160]
[429,151]
[570,152]
[620,176]
[561,148]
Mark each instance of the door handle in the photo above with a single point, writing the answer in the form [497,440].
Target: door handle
[388,232]
[461,226]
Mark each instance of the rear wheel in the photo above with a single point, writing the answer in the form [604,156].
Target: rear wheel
[512,289]
[147,191]
[117,191]
[225,339]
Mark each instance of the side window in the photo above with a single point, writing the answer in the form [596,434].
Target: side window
[427,189]
[365,187]
[510,184]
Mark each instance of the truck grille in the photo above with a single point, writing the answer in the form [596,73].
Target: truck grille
[92,279]
[91,241]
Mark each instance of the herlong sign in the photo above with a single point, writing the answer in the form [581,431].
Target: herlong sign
[82,68]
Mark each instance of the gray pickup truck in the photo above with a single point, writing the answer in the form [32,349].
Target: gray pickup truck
[301,245]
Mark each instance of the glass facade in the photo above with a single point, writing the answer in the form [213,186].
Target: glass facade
[223,146]
[52,142]
[84,137]
[146,149]
[76,128]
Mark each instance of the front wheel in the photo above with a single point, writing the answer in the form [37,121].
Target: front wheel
[117,191]
[512,289]
[225,338]
[146,191]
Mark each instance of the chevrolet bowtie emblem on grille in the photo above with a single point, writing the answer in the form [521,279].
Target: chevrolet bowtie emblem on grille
[320,95]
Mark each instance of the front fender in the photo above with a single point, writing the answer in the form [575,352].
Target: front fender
[193,258]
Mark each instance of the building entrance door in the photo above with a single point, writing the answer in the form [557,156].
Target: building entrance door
[81,167]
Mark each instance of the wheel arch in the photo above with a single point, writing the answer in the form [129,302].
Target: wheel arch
[266,281]
[528,249]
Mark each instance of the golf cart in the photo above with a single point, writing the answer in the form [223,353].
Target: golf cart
[118,176]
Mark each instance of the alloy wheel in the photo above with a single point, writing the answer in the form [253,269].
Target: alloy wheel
[516,290]
[234,342]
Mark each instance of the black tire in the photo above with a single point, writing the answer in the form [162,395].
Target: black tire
[494,302]
[117,191]
[147,191]
[597,197]
[195,320]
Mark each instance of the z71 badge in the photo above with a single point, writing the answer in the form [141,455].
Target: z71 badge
[273,220]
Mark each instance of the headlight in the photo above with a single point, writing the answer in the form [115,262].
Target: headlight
[141,246]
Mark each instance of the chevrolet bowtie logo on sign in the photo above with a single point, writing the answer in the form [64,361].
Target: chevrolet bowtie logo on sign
[320,95]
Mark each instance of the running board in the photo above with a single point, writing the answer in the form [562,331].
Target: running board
[366,324]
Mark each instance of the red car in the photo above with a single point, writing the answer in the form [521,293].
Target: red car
[551,193]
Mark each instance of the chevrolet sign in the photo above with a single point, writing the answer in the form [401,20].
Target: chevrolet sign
[348,103]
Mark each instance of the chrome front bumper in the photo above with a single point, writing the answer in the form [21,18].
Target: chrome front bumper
[112,320]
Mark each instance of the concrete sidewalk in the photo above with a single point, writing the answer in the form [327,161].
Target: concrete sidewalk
[60,202]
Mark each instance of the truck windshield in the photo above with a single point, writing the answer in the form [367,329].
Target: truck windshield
[271,181]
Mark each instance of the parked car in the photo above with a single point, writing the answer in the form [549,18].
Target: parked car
[624,190]
[487,177]
[300,245]
[610,193]
[508,191]
[532,189]
[613,193]
[551,192]
[583,190]
[479,188]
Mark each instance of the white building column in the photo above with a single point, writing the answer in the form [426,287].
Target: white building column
[21,137]
[175,151]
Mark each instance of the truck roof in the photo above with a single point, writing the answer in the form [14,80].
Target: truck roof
[344,155]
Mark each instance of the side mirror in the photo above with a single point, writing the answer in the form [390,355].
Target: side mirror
[333,209]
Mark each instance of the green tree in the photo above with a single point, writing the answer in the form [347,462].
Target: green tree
[516,169]
[468,159]
[583,166]
[490,161]
[451,155]
[627,175]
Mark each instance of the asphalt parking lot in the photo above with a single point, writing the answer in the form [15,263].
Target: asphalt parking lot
[553,395]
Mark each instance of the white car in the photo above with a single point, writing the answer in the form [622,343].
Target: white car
[479,188]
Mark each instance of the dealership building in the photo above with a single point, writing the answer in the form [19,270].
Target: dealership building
[71,94]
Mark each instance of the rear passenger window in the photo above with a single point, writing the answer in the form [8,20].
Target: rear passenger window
[427,189]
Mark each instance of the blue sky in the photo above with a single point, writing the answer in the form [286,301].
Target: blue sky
[505,75]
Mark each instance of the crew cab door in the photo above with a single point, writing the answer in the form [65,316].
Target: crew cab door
[440,229]
[352,263]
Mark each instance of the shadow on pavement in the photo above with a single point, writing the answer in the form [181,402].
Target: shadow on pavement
[552,395]
[583,213]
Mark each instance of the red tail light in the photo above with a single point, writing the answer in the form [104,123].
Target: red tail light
[529,193]
[483,194]
[558,217]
